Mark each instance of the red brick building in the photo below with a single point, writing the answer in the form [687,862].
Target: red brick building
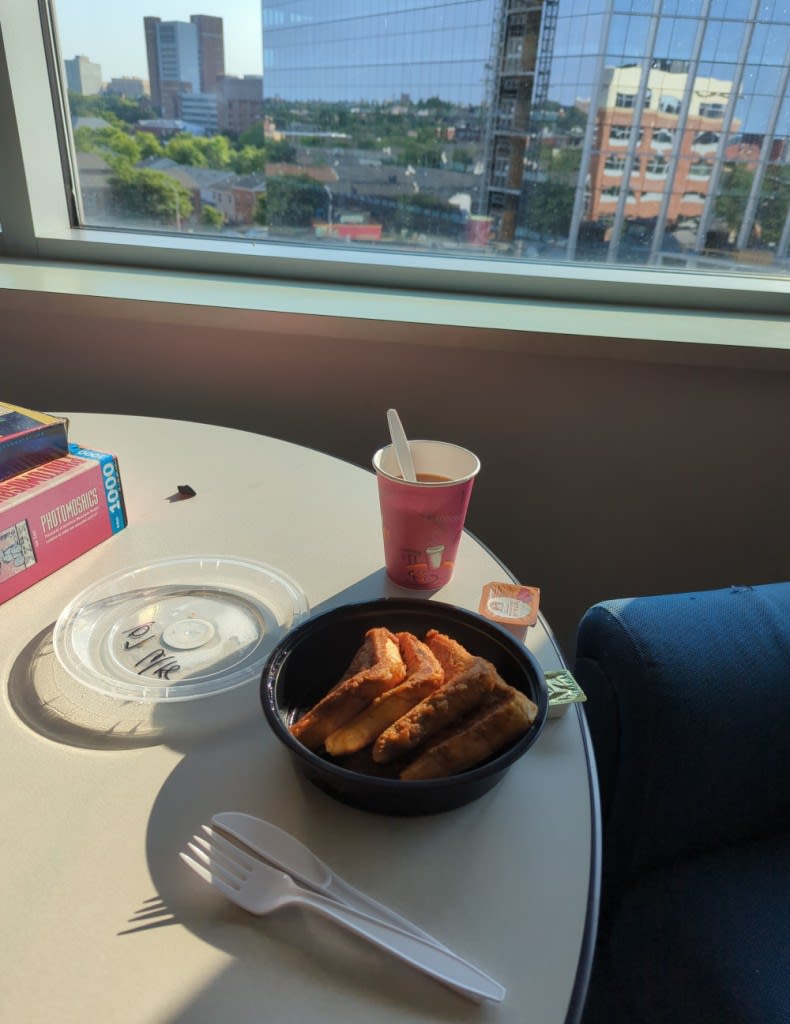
[670,148]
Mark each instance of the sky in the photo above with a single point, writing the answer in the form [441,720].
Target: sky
[111,34]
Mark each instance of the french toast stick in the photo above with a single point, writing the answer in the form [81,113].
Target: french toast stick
[375,668]
[450,654]
[423,675]
[494,726]
[448,704]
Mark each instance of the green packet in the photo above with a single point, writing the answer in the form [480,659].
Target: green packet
[563,691]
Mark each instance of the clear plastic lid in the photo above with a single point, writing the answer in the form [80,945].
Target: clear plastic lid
[177,629]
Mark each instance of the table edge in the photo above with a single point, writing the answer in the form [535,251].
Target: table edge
[586,954]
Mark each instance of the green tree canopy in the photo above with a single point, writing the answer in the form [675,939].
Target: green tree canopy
[149,144]
[421,154]
[150,195]
[565,161]
[111,143]
[248,159]
[462,157]
[294,201]
[774,203]
[185,149]
[550,208]
[114,109]
[733,193]
[252,136]
[281,152]
[211,217]
[425,213]
[216,150]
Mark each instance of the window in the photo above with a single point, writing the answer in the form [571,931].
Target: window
[711,110]
[191,150]
[705,139]
[669,104]
[661,138]
[620,134]
[627,100]
[657,167]
[700,169]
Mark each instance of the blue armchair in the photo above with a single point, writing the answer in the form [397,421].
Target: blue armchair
[688,703]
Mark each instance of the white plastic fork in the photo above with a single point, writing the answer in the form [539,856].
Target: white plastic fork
[262,889]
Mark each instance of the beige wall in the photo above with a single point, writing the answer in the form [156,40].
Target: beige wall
[609,470]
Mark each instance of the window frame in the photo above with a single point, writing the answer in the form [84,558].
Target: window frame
[38,211]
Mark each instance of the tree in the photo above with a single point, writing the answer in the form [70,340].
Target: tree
[774,203]
[211,217]
[462,157]
[425,213]
[294,201]
[421,154]
[111,142]
[571,117]
[549,208]
[150,195]
[278,151]
[184,149]
[248,159]
[733,193]
[332,117]
[281,152]
[261,215]
[149,144]
[252,136]
[216,150]
[566,161]
[115,109]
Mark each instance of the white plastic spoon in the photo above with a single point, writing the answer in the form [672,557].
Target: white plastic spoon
[401,445]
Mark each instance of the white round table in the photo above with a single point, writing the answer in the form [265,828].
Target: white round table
[102,921]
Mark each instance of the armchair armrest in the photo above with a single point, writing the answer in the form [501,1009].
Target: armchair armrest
[688,702]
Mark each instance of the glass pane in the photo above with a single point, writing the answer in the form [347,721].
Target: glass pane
[586,130]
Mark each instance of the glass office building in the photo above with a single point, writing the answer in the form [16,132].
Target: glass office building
[686,144]
[631,130]
[376,50]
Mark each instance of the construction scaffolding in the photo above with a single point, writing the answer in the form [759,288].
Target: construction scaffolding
[519,75]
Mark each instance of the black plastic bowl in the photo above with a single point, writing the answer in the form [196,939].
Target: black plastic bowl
[311,659]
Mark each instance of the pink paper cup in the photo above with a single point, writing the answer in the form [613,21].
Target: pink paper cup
[422,522]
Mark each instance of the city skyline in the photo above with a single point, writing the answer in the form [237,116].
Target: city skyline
[659,141]
[114,39]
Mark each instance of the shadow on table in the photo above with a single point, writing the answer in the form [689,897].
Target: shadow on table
[277,960]
[58,707]
[232,762]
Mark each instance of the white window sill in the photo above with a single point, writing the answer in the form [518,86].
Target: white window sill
[425,317]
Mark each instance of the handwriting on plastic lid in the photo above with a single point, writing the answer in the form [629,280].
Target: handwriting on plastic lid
[510,603]
[154,661]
